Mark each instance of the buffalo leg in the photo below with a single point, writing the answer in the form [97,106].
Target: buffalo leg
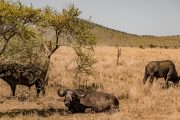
[145,78]
[151,78]
[114,108]
[38,87]
[42,86]
[166,82]
[176,83]
[165,78]
[88,110]
[13,89]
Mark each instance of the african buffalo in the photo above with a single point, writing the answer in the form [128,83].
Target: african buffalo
[78,100]
[27,75]
[159,69]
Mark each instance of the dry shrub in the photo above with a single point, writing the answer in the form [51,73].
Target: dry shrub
[141,46]
[152,46]
[166,47]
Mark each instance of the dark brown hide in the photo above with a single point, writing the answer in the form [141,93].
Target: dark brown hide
[97,101]
[161,69]
[27,75]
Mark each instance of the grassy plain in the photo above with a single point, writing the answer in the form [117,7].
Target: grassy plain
[137,102]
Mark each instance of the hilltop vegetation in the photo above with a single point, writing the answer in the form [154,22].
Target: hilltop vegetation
[109,37]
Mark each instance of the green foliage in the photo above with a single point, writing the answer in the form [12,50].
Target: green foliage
[68,26]
[20,40]
[84,62]
[23,23]
[76,33]
[17,20]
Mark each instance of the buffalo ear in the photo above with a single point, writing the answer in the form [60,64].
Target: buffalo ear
[62,93]
[79,93]
[178,77]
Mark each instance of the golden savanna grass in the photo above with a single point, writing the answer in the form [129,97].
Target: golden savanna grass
[137,101]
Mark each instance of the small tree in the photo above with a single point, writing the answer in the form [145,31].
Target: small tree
[16,20]
[20,23]
[76,33]
[118,53]
[84,68]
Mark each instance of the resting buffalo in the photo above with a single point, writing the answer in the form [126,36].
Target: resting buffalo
[159,69]
[27,75]
[78,100]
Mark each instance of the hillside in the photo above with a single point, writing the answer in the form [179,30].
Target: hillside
[109,37]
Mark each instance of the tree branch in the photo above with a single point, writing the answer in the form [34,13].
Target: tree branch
[4,48]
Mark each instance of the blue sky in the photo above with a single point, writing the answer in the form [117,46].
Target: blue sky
[142,17]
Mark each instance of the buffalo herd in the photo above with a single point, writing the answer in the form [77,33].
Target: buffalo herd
[82,100]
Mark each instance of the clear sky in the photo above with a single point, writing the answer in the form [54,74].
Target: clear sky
[143,17]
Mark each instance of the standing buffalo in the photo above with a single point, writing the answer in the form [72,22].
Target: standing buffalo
[159,69]
[78,100]
[27,75]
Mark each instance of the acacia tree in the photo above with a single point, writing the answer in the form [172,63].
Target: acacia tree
[16,20]
[19,23]
[76,33]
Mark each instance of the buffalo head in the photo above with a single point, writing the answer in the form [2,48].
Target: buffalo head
[71,96]
[4,71]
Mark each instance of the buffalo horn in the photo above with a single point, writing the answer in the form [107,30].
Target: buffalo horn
[80,93]
[62,93]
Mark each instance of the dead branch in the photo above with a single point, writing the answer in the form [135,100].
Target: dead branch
[118,53]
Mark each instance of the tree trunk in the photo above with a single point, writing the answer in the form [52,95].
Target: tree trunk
[118,54]
[57,40]
[6,39]
[4,48]
[57,45]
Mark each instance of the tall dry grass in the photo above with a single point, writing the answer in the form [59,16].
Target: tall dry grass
[137,101]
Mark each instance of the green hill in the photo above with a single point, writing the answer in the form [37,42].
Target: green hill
[109,37]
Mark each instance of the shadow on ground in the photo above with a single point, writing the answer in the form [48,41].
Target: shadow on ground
[39,112]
